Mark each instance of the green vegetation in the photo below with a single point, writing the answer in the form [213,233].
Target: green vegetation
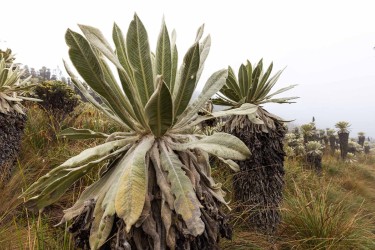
[308,131]
[57,97]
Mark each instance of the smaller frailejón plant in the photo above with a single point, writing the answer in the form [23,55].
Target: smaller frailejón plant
[323,138]
[308,131]
[259,182]
[12,115]
[314,153]
[294,146]
[361,138]
[157,191]
[343,133]
[350,158]
[354,147]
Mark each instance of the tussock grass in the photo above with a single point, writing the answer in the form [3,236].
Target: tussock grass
[334,211]
[311,220]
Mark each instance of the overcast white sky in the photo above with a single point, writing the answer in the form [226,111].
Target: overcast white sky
[326,46]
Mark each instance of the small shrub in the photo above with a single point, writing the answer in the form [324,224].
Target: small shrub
[58,98]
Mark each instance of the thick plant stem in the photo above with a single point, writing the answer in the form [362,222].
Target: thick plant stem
[344,139]
[332,144]
[12,125]
[361,140]
[258,185]
[315,162]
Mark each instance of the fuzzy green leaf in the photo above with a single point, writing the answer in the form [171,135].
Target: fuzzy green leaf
[204,49]
[212,86]
[232,83]
[243,80]
[127,76]
[88,66]
[86,62]
[96,38]
[139,55]
[53,185]
[164,56]
[187,80]
[132,185]
[159,109]
[262,84]
[174,58]
[108,112]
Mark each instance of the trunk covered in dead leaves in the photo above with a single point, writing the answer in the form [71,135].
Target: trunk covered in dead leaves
[12,125]
[361,140]
[258,185]
[315,162]
[344,140]
[332,144]
[159,227]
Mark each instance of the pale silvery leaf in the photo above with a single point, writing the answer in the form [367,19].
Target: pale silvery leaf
[132,186]
[220,144]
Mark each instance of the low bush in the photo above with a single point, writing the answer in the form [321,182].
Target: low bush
[58,98]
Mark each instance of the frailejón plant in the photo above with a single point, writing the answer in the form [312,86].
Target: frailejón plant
[157,191]
[12,114]
[260,180]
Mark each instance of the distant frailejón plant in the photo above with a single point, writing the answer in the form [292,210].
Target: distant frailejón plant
[314,153]
[157,191]
[259,182]
[361,138]
[343,133]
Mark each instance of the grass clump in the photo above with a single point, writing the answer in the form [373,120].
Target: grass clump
[312,220]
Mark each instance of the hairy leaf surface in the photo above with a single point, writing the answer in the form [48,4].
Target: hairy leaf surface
[159,109]
[220,144]
[139,55]
[213,85]
[164,56]
[186,202]
[132,187]
[186,83]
